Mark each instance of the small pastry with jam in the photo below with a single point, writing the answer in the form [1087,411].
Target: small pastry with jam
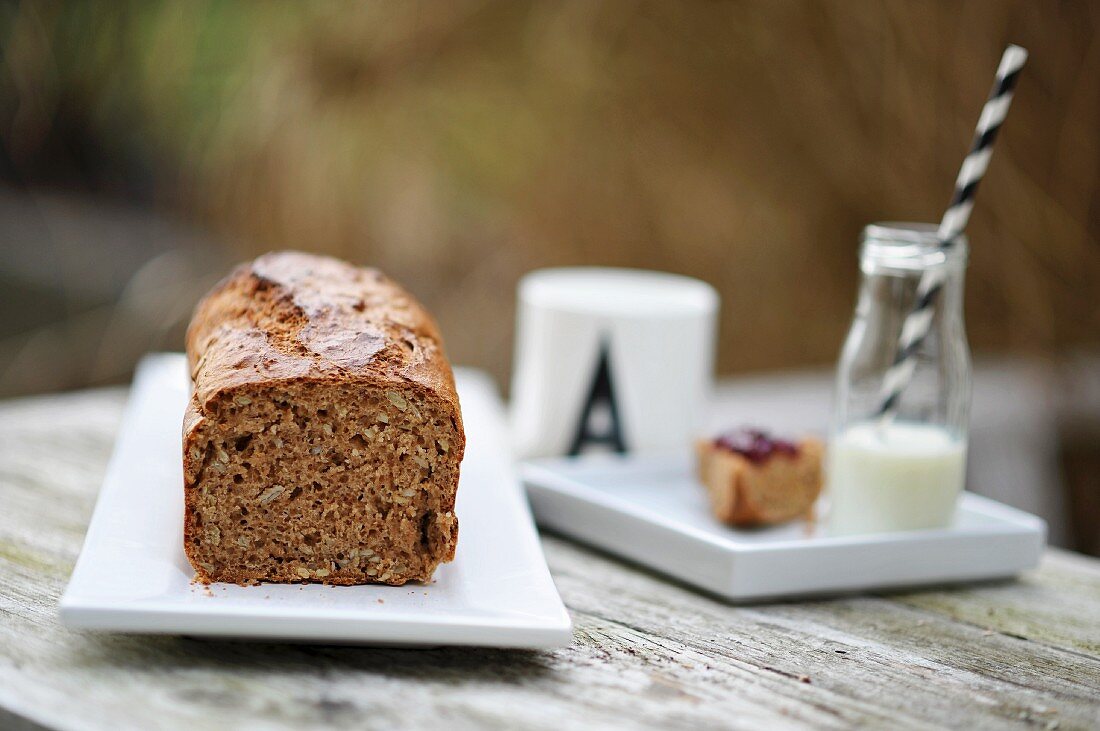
[755,479]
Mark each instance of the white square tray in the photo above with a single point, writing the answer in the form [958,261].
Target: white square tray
[652,511]
[132,575]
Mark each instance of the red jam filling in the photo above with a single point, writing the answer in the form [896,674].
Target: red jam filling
[755,445]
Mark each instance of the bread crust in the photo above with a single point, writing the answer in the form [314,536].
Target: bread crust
[291,319]
[319,319]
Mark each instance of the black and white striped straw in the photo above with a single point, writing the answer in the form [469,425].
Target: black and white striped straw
[919,321]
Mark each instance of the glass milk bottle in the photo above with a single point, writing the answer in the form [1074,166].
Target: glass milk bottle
[901,468]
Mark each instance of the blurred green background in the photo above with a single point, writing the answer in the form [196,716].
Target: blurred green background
[146,146]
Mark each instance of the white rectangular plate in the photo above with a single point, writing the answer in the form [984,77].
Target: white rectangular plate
[132,575]
[652,511]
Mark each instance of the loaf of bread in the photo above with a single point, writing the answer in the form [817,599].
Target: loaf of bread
[323,439]
[755,479]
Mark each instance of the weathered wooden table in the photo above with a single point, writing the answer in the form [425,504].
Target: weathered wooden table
[646,653]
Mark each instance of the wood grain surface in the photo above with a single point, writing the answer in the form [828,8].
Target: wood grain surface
[646,654]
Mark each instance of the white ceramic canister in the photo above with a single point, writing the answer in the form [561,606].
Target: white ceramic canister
[611,359]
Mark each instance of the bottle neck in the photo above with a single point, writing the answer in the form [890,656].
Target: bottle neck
[895,257]
[910,247]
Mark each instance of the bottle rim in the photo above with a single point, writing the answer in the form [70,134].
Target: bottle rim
[911,246]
